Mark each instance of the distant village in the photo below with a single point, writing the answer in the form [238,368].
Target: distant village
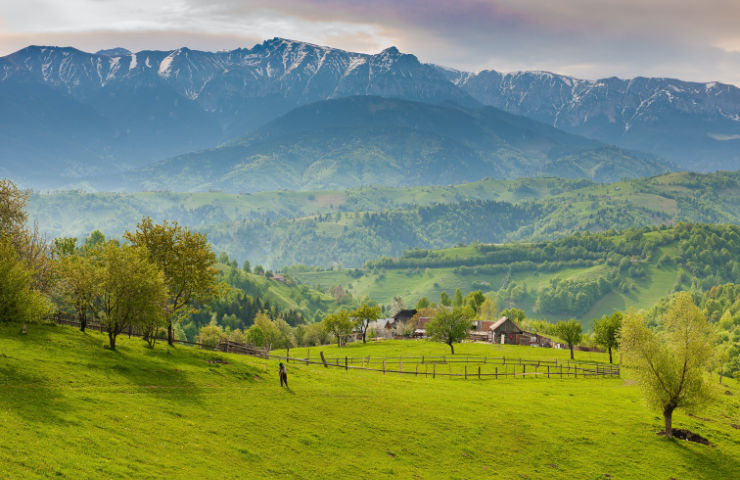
[502,331]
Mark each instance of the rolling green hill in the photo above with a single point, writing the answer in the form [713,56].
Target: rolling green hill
[74,409]
[283,228]
[583,276]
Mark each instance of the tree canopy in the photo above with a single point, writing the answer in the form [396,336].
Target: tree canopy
[450,326]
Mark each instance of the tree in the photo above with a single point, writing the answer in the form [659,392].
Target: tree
[133,290]
[488,310]
[259,270]
[570,332]
[80,284]
[671,364]
[19,300]
[397,305]
[338,293]
[185,258]
[338,324]
[422,303]
[457,299]
[450,326]
[363,316]
[269,333]
[444,299]
[210,335]
[474,300]
[246,266]
[516,315]
[606,331]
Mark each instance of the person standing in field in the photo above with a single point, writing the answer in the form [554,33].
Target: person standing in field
[283,375]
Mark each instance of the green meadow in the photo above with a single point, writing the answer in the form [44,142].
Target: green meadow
[70,408]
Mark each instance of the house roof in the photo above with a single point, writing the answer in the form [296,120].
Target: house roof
[404,315]
[501,322]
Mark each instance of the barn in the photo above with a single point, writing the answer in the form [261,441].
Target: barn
[505,332]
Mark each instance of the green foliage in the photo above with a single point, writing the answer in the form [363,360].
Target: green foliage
[606,331]
[671,364]
[363,316]
[19,300]
[338,324]
[422,303]
[569,332]
[450,326]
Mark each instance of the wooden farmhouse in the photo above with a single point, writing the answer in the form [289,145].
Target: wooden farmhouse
[504,332]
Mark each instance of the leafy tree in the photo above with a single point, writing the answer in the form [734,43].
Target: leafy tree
[606,331]
[259,270]
[671,364]
[80,279]
[397,305]
[457,299]
[488,310]
[450,326]
[210,335]
[246,266]
[94,240]
[422,303]
[474,300]
[269,333]
[339,293]
[337,324]
[444,299]
[19,300]
[363,316]
[185,258]
[570,332]
[133,290]
[516,315]
[64,246]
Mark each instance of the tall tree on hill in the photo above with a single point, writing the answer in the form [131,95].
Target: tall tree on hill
[19,300]
[570,332]
[132,290]
[187,261]
[606,331]
[671,365]
[450,326]
[80,278]
[457,299]
[422,303]
[363,316]
[444,299]
[338,324]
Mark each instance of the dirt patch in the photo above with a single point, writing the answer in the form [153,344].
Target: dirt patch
[683,434]
[218,360]
[727,392]
[699,418]
[735,426]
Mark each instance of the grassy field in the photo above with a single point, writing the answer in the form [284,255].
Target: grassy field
[70,408]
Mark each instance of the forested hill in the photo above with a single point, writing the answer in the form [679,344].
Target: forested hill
[349,227]
[583,275]
[365,140]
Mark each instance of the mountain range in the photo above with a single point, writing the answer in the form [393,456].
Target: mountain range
[67,114]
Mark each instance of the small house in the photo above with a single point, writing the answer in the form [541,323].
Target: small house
[505,332]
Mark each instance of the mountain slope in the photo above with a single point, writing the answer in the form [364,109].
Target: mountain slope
[133,109]
[696,125]
[366,140]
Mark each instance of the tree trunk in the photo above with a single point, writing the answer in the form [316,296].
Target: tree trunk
[112,340]
[170,336]
[339,341]
[363,337]
[452,348]
[571,351]
[83,323]
[668,416]
[610,354]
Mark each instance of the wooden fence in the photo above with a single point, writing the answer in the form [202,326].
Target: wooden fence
[466,367]
[224,345]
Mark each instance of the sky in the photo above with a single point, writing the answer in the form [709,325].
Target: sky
[590,39]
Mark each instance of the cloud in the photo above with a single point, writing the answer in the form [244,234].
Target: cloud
[585,38]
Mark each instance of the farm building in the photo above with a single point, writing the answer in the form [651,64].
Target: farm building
[504,331]
[403,316]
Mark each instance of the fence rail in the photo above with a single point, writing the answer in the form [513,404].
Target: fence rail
[421,366]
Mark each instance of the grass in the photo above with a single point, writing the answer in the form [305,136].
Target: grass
[70,408]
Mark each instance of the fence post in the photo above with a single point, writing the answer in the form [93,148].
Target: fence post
[548,371]
[345,363]
[326,365]
[524,369]
[478,372]
[363,362]
[466,371]
[561,372]
[417,369]
[496,377]
[422,359]
[400,365]
[434,370]
[384,366]
[485,359]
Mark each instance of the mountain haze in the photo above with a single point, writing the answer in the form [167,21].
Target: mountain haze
[365,140]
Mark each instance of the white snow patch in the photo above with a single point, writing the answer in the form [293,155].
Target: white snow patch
[146,62]
[133,62]
[354,63]
[164,66]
